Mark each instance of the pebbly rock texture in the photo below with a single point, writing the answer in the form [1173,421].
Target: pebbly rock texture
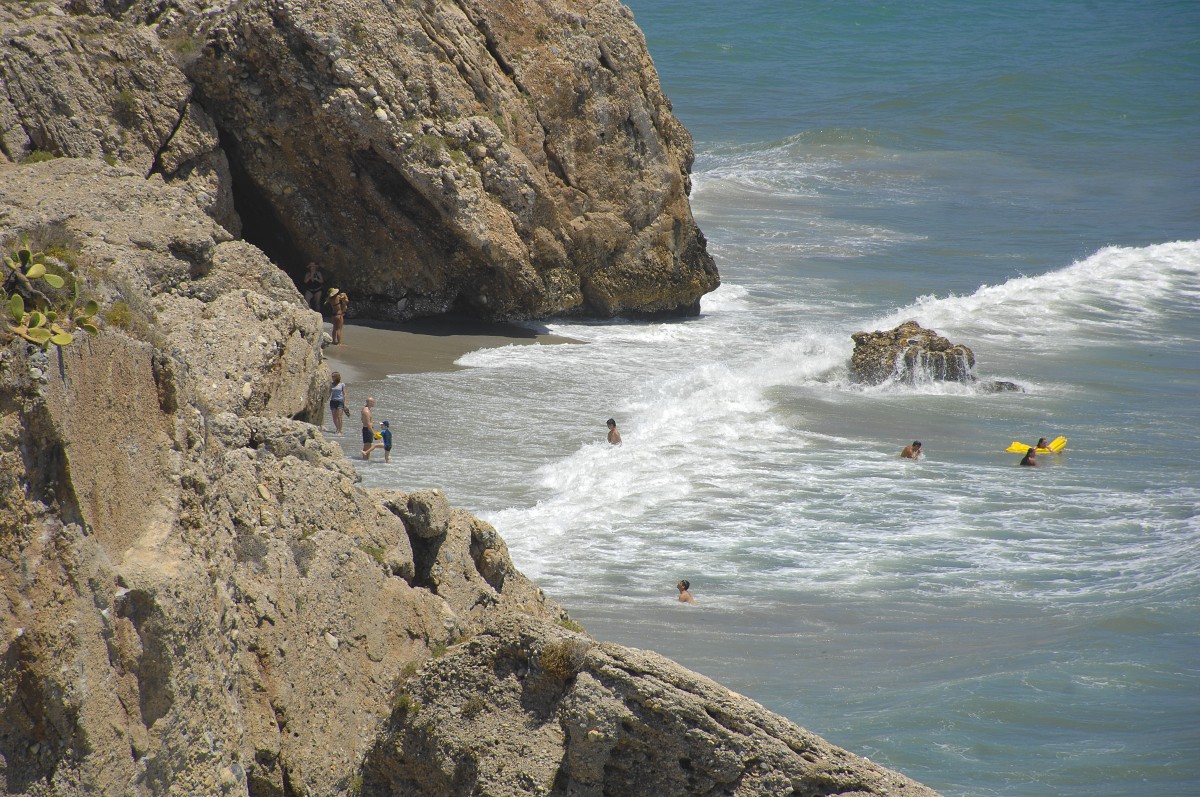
[508,160]
[526,708]
[196,597]
[88,86]
[909,353]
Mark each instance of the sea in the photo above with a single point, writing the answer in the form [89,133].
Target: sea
[1022,177]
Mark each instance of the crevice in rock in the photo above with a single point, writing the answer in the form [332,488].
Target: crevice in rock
[393,186]
[38,729]
[554,163]
[489,42]
[155,693]
[261,222]
[156,166]
[425,555]
[47,467]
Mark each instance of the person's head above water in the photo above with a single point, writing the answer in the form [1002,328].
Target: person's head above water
[610,423]
[685,584]
[916,443]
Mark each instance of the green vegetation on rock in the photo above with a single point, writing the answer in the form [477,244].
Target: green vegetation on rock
[41,300]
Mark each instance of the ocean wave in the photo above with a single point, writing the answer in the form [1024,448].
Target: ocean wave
[1118,292]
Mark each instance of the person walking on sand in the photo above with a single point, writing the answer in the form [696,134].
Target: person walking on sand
[339,303]
[314,285]
[684,595]
[337,399]
[368,428]
[614,436]
[1030,458]
[913,451]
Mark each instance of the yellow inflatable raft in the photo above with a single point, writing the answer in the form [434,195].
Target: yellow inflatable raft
[1056,445]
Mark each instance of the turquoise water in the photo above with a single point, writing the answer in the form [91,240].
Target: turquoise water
[1024,178]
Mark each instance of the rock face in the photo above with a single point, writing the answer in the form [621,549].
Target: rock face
[526,708]
[909,353]
[195,595]
[510,160]
[198,598]
[89,86]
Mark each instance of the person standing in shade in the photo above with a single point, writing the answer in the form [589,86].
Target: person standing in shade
[684,595]
[368,427]
[614,436]
[339,303]
[314,286]
[1030,458]
[913,451]
[337,400]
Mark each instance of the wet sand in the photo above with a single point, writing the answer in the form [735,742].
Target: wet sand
[373,350]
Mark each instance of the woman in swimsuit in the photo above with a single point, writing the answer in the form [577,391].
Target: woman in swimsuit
[314,283]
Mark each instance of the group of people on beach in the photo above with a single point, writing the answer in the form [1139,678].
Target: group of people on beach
[372,440]
[338,301]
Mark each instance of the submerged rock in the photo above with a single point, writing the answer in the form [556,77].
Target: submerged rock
[909,353]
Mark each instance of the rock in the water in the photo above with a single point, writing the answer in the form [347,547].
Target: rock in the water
[909,353]
[1000,386]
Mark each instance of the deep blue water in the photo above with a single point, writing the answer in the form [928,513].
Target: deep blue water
[1024,178]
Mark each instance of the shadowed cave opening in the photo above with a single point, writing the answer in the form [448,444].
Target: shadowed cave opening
[261,225]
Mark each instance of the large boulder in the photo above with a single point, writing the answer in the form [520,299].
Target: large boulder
[909,353]
[526,707]
[508,159]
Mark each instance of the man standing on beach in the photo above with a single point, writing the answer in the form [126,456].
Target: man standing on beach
[368,426]
[614,436]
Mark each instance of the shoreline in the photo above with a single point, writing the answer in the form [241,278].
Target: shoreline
[374,350]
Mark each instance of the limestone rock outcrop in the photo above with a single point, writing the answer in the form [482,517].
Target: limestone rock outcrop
[909,353]
[196,597]
[524,708]
[509,160]
[78,86]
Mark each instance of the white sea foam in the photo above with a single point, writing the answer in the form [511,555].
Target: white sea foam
[1118,292]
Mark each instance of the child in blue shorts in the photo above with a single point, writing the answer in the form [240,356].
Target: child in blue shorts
[384,442]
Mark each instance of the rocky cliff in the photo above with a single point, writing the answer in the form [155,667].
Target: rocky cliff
[506,159]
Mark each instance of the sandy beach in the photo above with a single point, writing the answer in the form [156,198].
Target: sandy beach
[373,350]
